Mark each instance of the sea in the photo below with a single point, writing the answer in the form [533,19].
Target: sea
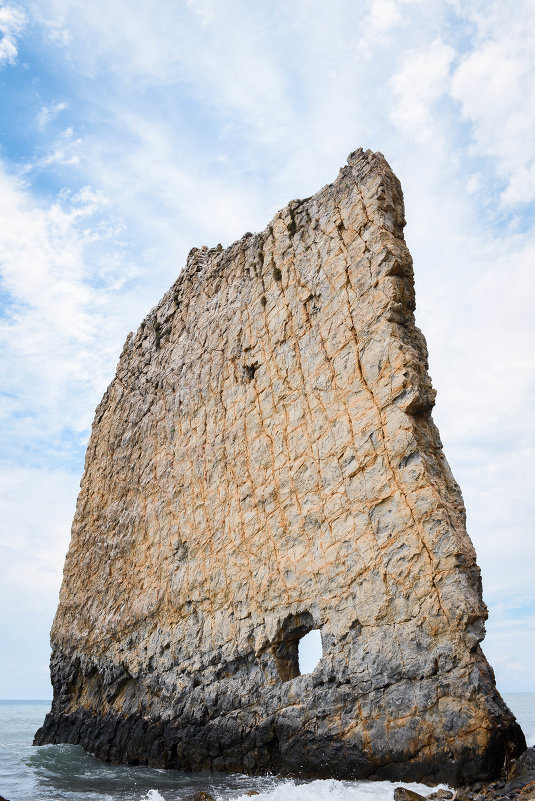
[67,773]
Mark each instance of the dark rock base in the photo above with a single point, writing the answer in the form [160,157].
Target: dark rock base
[516,784]
[221,745]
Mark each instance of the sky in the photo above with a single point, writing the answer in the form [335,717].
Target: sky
[131,132]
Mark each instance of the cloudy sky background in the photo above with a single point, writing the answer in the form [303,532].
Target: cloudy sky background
[132,131]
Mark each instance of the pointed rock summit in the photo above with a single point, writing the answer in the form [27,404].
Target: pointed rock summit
[265,463]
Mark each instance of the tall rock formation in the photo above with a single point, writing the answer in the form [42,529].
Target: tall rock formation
[265,463]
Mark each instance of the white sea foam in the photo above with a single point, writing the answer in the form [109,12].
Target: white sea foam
[319,790]
[331,790]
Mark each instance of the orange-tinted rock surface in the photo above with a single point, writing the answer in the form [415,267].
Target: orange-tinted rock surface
[264,463]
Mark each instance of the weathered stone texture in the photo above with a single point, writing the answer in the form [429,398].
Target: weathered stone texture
[265,462]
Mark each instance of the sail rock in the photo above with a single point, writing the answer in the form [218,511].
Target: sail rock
[265,463]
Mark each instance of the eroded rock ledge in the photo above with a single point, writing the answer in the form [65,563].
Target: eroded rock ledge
[263,463]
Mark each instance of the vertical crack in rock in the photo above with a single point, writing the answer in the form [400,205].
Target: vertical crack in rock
[265,463]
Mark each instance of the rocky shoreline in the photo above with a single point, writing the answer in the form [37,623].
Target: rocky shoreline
[518,782]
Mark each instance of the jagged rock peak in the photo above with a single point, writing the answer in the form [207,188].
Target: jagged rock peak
[265,463]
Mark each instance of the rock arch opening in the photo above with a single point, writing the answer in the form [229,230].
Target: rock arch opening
[297,648]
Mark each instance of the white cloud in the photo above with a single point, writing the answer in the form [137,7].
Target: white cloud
[473,182]
[384,15]
[487,374]
[8,50]
[494,83]
[12,21]
[49,113]
[510,648]
[422,81]
[38,533]
[58,337]
[36,507]
[204,8]
[64,151]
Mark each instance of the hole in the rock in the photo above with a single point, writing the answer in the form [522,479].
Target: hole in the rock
[291,656]
[310,651]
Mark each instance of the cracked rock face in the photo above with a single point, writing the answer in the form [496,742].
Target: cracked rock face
[265,463]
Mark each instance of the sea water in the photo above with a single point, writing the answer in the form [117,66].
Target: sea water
[66,773]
